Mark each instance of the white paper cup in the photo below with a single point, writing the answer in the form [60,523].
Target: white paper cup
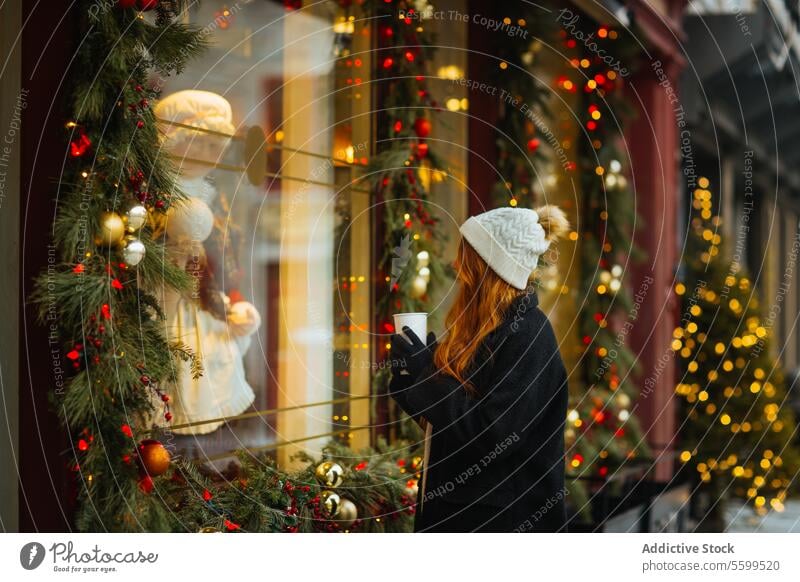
[418,322]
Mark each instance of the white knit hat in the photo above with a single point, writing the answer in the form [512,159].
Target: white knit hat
[511,240]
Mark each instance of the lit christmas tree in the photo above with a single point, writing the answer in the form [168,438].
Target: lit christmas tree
[736,430]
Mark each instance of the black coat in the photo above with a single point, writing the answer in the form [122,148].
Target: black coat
[496,459]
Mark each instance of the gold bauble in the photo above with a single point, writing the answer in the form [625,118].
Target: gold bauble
[329,474]
[348,513]
[416,463]
[153,457]
[623,400]
[112,229]
[331,503]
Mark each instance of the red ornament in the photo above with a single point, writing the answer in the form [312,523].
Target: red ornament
[83,445]
[106,311]
[422,150]
[422,127]
[126,3]
[388,62]
[80,145]
[361,466]
[533,145]
[73,355]
[230,526]
[207,495]
[78,269]
[168,416]
[116,284]
[145,5]
[126,430]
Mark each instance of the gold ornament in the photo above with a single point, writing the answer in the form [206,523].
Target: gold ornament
[136,217]
[329,474]
[331,503]
[348,513]
[623,400]
[416,463]
[112,229]
[153,457]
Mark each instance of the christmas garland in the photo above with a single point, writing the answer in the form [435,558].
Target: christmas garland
[98,298]
[602,435]
[410,264]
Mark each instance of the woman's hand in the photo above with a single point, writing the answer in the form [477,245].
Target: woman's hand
[417,357]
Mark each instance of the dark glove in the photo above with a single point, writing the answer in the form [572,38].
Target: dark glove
[416,357]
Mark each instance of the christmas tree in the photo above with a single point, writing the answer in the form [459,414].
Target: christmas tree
[736,430]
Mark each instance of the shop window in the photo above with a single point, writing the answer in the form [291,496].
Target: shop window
[270,131]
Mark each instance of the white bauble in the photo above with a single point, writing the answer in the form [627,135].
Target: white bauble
[134,252]
[136,217]
[191,220]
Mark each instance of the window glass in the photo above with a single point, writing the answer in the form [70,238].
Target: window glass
[270,130]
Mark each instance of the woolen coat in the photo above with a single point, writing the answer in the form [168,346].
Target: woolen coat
[496,460]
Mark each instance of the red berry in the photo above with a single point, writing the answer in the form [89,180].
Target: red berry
[168,416]
[144,379]
[140,124]
[164,398]
[146,484]
[533,145]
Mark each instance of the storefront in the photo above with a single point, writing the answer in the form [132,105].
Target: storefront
[284,130]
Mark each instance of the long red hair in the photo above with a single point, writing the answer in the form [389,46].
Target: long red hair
[482,302]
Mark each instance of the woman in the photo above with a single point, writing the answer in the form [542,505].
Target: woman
[494,390]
